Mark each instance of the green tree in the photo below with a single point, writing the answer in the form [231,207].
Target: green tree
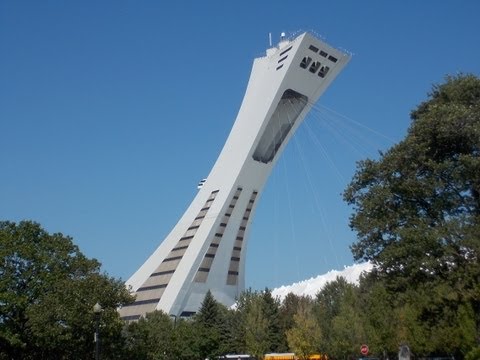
[378,316]
[328,304]
[233,341]
[347,331]
[47,292]
[407,327]
[185,340]
[416,207]
[305,337]
[244,303]
[271,311]
[417,210]
[289,307]
[256,328]
[151,337]
[210,325]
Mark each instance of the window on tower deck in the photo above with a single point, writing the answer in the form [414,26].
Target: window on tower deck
[314,67]
[323,71]
[332,58]
[285,51]
[305,62]
[279,125]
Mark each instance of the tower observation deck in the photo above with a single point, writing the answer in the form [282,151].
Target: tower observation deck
[207,247]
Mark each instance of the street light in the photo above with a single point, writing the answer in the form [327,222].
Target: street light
[173,346]
[174,321]
[97,310]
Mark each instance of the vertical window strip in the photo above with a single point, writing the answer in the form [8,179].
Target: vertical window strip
[232,276]
[181,244]
[203,271]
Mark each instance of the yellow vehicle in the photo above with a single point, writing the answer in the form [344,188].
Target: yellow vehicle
[292,356]
[317,357]
[280,356]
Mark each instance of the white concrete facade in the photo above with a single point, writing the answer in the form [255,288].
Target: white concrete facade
[206,249]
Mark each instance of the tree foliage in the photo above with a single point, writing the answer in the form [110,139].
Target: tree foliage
[290,307]
[305,336]
[150,337]
[417,217]
[417,208]
[210,321]
[47,292]
[275,334]
[327,308]
[256,328]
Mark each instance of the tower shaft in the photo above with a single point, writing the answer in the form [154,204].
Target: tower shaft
[206,249]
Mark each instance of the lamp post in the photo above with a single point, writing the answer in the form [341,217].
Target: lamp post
[97,310]
[173,345]
[174,321]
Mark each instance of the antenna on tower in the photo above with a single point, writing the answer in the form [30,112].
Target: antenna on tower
[270,39]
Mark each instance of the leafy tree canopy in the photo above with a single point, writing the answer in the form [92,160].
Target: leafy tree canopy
[47,292]
[417,208]
[150,337]
[305,337]
[417,218]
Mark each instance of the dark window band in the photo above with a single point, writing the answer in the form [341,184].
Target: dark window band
[285,51]
[172,258]
[153,287]
[143,302]
[162,273]
[332,58]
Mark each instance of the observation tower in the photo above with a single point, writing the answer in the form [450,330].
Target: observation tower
[207,247]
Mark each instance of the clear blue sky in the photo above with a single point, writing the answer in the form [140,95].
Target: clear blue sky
[112,111]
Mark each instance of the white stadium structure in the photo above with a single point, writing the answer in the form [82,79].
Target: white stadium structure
[207,247]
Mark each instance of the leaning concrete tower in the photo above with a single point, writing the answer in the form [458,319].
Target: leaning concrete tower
[206,249]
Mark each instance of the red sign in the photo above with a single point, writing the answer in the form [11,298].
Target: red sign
[364,349]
